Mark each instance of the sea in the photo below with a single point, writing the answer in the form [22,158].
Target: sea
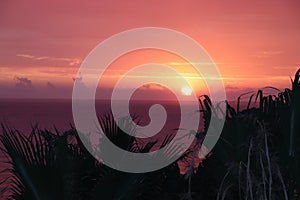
[56,114]
[51,114]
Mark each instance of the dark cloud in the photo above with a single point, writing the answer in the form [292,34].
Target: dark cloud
[50,85]
[23,82]
[79,79]
[23,88]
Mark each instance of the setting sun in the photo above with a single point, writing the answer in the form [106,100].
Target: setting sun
[187,91]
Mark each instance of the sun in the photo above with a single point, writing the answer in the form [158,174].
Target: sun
[187,91]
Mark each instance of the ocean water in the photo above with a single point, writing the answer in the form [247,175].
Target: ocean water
[23,114]
[50,114]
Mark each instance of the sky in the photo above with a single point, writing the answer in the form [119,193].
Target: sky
[42,43]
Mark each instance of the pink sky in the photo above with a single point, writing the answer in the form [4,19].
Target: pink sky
[254,43]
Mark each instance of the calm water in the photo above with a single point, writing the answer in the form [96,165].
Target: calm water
[22,114]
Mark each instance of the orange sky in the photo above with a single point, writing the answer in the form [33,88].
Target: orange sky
[254,43]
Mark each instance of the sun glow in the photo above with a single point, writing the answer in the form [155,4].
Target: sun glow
[187,91]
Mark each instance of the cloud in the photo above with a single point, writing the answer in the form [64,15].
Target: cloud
[192,63]
[231,88]
[77,79]
[23,82]
[81,89]
[25,56]
[265,54]
[78,82]
[286,67]
[152,86]
[50,85]
[71,61]
[24,88]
